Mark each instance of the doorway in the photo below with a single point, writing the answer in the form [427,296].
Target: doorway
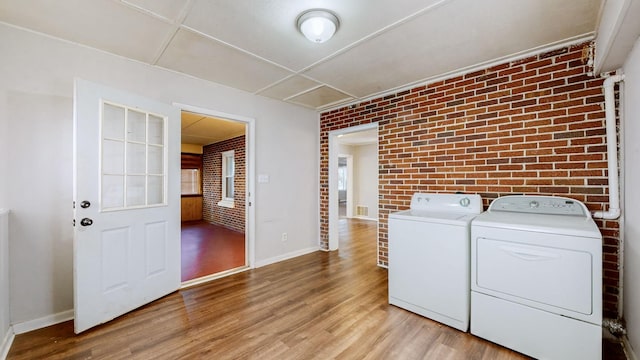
[345,186]
[358,148]
[216,214]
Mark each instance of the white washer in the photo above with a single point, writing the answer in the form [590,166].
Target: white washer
[429,256]
[536,277]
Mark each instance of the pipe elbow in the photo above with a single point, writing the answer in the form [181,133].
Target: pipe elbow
[611,80]
[610,214]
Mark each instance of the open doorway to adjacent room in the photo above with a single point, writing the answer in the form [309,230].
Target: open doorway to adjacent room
[345,186]
[214,197]
[353,181]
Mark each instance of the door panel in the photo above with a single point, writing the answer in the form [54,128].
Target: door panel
[126,171]
[156,245]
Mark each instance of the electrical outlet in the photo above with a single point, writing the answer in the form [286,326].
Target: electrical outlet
[284,237]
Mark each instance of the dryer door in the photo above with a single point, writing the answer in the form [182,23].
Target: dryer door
[541,275]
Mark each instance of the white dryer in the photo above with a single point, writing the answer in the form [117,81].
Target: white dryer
[429,255]
[536,277]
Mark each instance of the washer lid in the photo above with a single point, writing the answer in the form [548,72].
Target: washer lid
[444,217]
[544,223]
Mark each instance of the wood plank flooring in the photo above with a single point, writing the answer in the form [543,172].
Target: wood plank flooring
[208,249]
[318,306]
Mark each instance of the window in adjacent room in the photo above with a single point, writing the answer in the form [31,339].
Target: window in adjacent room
[190,182]
[228,176]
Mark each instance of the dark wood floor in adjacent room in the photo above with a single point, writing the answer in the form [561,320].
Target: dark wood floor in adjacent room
[208,249]
[317,306]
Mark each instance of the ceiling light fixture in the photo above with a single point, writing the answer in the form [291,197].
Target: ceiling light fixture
[318,25]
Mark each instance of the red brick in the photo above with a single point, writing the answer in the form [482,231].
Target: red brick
[233,218]
[535,126]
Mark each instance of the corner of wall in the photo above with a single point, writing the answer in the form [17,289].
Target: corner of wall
[7,341]
[631,207]
[6,331]
[35,324]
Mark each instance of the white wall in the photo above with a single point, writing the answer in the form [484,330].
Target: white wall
[5,323]
[365,159]
[4,246]
[4,151]
[365,175]
[631,283]
[347,150]
[36,92]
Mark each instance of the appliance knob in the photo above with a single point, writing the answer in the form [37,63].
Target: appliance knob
[464,202]
[534,204]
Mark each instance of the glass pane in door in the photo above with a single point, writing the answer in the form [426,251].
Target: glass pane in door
[133,171]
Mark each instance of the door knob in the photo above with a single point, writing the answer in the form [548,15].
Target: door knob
[86,222]
[85,204]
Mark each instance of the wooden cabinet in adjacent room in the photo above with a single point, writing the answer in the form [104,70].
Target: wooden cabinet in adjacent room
[191,208]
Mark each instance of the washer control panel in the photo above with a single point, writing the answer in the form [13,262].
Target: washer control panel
[466,203]
[551,205]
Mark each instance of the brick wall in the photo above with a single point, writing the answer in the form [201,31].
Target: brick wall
[232,218]
[530,126]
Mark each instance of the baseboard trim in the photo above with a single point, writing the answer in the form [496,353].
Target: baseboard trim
[35,324]
[6,343]
[628,350]
[287,256]
[206,279]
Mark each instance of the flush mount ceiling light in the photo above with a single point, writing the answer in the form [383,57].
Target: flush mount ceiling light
[318,25]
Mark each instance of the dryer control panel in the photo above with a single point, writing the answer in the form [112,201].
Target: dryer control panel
[551,205]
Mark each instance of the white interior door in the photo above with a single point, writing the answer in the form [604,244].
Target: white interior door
[127,202]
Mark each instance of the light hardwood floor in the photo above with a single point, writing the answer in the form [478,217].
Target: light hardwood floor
[317,306]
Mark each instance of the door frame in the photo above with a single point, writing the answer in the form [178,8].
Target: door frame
[250,206]
[334,216]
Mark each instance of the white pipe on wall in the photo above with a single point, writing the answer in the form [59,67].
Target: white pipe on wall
[612,149]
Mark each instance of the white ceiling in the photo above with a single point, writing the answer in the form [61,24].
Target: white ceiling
[253,45]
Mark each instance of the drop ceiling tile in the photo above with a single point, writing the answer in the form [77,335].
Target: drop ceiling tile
[208,59]
[207,130]
[202,140]
[449,38]
[210,125]
[320,97]
[189,118]
[292,86]
[190,139]
[169,9]
[101,24]
[380,46]
[269,27]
